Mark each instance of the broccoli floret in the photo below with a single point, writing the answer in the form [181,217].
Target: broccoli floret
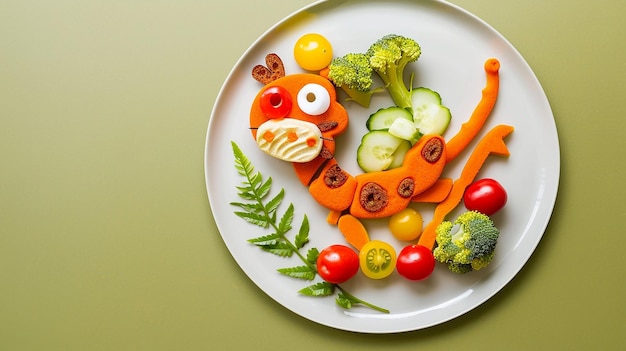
[468,243]
[353,74]
[388,57]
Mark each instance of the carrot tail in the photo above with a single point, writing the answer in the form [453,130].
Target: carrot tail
[353,230]
[333,217]
[436,193]
[470,129]
[492,142]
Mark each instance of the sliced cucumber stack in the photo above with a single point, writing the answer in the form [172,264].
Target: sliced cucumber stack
[429,115]
[393,130]
[379,150]
[384,118]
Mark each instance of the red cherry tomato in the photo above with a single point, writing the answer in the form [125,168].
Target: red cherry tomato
[415,262]
[337,263]
[275,102]
[485,195]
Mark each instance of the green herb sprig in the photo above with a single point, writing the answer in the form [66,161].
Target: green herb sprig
[262,210]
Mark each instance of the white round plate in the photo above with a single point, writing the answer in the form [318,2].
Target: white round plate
[455,44]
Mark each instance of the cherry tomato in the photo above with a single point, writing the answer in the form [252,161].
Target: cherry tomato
[337,263]
[275,102]
[415,262]
[313,52]
[377,259]
[406,225]
[485,195]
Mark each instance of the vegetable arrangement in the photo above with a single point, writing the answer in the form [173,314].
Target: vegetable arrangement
[403,154]
[262,211]
[392,130]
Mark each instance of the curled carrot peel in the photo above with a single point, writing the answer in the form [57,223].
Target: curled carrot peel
[491,143]
[470,129]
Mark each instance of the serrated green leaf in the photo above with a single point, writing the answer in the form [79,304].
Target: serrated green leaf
[273,218]
[303,234]
[245,189]
[255,179]
[300,272]
[312,254]
[248,207]
[343,301]
[273,204]
[285,221]
[264,189]
[279,249]
[318,289]
[254,218]
[247,196]
[242,163]
[265,240]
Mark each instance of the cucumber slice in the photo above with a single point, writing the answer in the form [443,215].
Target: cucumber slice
[376,151]
[383,118]
[398,155]
[429,116]
[435,120]
[404,129]
[424,96]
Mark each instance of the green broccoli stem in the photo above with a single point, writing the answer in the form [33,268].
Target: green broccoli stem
[393,79]
[362,98]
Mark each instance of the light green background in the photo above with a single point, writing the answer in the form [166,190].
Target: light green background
[106,237]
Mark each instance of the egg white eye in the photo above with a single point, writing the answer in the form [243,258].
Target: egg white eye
[313,99]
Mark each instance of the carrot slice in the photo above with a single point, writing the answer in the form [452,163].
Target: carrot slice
[492,142]
[436,193]
[353,230]
[470,129]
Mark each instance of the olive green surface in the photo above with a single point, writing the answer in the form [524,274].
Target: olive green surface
[106,237]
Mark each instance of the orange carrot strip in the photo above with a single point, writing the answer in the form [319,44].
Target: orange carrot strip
[333,217]
[436,193]
[353,230]
[492,142]
[470,129]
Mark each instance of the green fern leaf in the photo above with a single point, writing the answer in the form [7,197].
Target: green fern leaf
[266,240]
[343,301]
[248,207]
[303,235]
[273,204]
[279,249]
[312,254]
[285,221]
[300,272]
[318,289]
[254,218]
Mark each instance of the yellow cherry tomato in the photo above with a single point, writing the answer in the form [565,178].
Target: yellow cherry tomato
[313,52]
[406,225]
[377,259]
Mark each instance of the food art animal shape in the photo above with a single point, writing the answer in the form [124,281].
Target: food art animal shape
[296,118]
